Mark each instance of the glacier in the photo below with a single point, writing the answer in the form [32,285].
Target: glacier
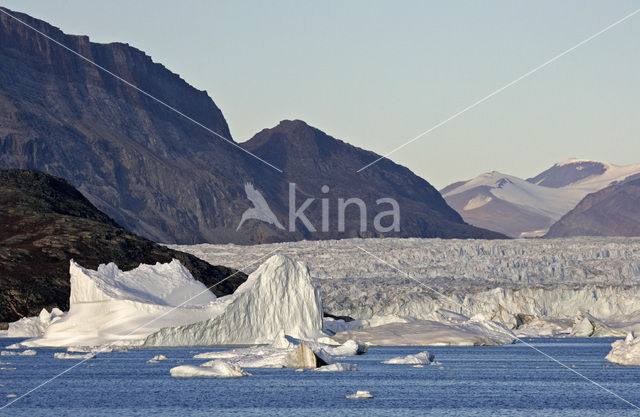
[533,286]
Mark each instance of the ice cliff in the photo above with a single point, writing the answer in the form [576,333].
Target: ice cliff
[112,306]
[278,296]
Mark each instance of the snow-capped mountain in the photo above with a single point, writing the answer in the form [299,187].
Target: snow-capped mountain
[521,208]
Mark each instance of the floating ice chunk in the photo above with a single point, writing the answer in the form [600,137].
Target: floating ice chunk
[109,305]
[422,358]
[34,326]
[583,328]
[625,352]
[338,367]
[360,395]
[349,348]
[65,355]
[277,296]
[159,358]
[28,352]
[15,346]
[303,357]
[212,369]
[432,333]
[296,354]
[252,357]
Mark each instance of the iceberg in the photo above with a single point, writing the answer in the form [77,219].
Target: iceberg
[65,355]
[109,306]
[28,352]
[360,394]
[337,367]
[625,352]
[278,296]
[422,358]
[286,352]
[34,326]
[432,333]
[213,369]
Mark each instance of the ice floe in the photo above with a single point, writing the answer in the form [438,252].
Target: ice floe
[360,395]
[212,369]
[625,352]
[28,352]
[422,358]
[65,355]
[432,333]
[337,367]
[112,306]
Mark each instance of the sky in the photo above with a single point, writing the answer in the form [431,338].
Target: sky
[376,74]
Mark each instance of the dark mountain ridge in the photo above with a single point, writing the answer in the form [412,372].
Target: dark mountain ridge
[45,222]
[613,211]
[166,178]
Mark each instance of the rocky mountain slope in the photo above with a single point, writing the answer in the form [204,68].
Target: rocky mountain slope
[164,177]
[45,222]
[312,160]
[614,211]
[522,208]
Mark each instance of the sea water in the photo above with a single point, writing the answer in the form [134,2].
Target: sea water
[512,380]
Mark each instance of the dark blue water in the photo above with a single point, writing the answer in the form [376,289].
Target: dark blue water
[509,380]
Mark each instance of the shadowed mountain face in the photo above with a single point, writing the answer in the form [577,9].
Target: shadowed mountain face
[312,160]
[45,222]
[613,211]
[168,179]
[561,175]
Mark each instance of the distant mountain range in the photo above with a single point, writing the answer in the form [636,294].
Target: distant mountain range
[522,208]
[168,179]
[613,211]
[46,222]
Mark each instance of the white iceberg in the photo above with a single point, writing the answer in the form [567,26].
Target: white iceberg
[284,352]
[337,367]
[28,352]
[432,333]
[65,355]
[213,369]
[34,326]
[625,352]
[422,358]
[360,394]
[277,296]
[111,306]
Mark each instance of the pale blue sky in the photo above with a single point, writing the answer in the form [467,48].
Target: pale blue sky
[376,74]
